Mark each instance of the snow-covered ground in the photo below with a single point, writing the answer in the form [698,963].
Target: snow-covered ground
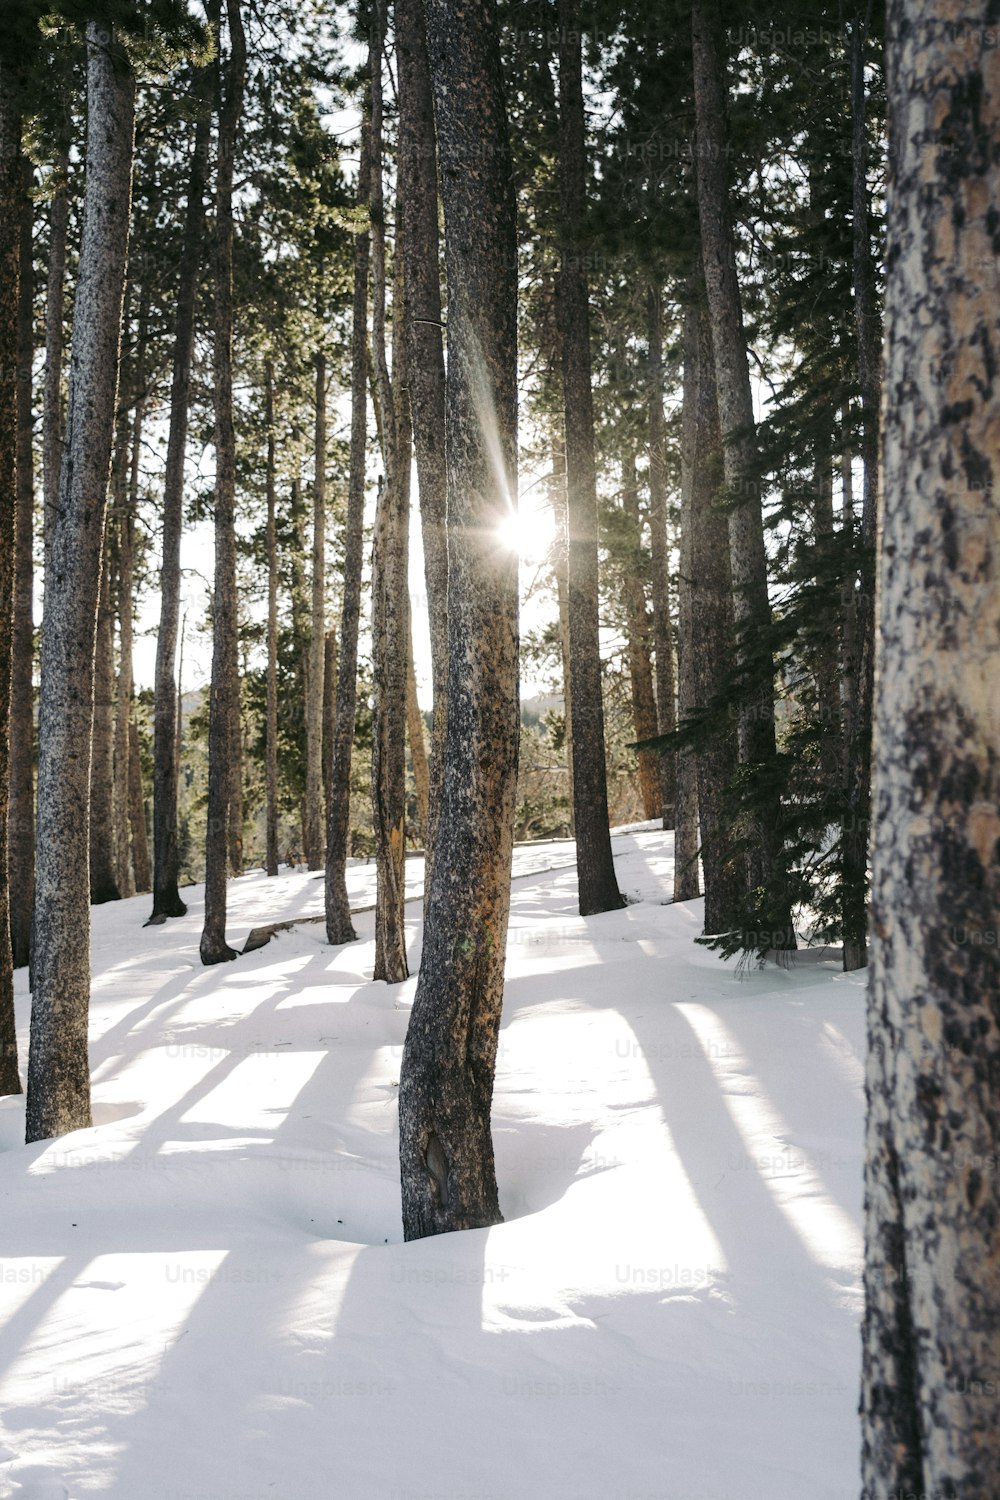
[206,1296]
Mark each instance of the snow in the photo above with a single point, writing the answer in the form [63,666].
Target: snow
[206,1296]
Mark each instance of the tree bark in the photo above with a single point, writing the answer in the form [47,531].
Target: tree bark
[271,729]
[930,1400]
[52,418]
[58,1071]
[167,901]
[662,632]
[418,202]
[224,706]
[11,189]
[415,739]
[446,1080]
[694,461]
[638,625]
[557,491]
[598,885]
[137,813]
[748,560]
[339,928]
[103,873]
[313,822]
[21,853]
[390,597]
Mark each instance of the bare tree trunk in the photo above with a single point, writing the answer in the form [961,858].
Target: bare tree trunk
[11,209]
[271,731]
[166,897]
[415,737]
[125,708]
[390,597]
[313,823]
[58,1070]
[339,928]
[224,709]
[858,757]
[21,853]
[418,202]
[639,631]
[693,473]
[557,491]
[598,886]
[930,1402]
[662,632]
[52,419]
[103,874]
[748,560]
[137,814]
[446,1080]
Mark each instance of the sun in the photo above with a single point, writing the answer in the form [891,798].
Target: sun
[517,533]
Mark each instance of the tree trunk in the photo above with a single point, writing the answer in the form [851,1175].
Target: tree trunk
[390,596]
[446,1080]
[418,200]
[415,737]
[694,462]
[11,208]
[930,1399]
[662,632]
[137,814]
[21,853]
[103,873]
[224,707]
[557,491]
[166,897]
[748,560]
[638,625]
[598,886]
[58,1070]
[312,831]
[52,419]
[339,928]
[271,730]
[862,668]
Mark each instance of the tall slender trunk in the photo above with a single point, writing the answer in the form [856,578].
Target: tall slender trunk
[58,1070]
[166,897]
[930,1401]
[748,560]
[271,729]
[827,656]
[21,853]
[712,637]
[52,417]
[638,625]
[339,928]
[11,191]
[224,707]
[660,592]
[857,798]
[415,738]
[129,872]
[693,470]
[446,1080]
[598,886]
[314,812]
[560,566]
[418,200]
[141,868]
[390,596]
[103,873]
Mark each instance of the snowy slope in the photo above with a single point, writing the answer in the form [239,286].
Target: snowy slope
[206,1297]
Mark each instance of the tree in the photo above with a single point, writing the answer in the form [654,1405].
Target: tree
[598,886]
[930,1409]
[58,1070]
[224,727]
[271,547]
[21,854]
[446,1080]
[666,713]
[312,819]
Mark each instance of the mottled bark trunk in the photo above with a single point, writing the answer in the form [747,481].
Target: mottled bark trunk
[660,593]
[446,1080]
[712,632]
[418,201]
[125,860]
[58,1069]
[858,758]
[598,886]
[329,705]
[52,414]
[415,739]
[560,566]
[694,462]
[748,560]
[141,869]
[639,631]
[271,723]
[21,852]
[313,822]
[930,1397]
[224,707]
[827,655]
[339,928]
[166,897]
[103,873]
[390,597]
[10,216]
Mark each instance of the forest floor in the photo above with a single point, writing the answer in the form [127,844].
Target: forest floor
[206,1296]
